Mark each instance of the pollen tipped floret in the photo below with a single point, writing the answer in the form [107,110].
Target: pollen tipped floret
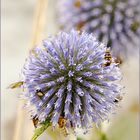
[69,71]
[115,22]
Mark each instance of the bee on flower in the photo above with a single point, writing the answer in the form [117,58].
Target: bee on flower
[65,81]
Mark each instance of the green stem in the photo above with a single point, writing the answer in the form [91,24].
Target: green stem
[103,136]
[40,130]
[78,138]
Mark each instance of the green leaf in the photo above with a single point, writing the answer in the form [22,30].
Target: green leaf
[40,130]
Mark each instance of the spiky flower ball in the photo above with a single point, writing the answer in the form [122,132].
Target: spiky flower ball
[115,22]
[67,77]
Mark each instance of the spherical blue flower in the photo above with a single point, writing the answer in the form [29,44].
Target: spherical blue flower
[67,77]
[115,22]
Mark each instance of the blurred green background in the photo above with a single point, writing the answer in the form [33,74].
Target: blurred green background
[17,25]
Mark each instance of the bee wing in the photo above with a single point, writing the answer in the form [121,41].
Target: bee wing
[40,94]
[118,98]
[16,85]
[35,121]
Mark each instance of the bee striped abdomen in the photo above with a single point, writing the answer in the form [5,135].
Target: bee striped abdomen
[108,58]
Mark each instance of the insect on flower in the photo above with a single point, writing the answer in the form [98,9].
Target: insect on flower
[16,85]
[115,22]
[77,3]
[35,121]
[65,82]
[62,125]
[108,58]
[118,98]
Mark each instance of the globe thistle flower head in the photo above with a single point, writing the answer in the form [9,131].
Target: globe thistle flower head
[115,22]
[67,77]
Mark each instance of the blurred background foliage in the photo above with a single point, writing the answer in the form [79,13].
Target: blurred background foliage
[17,25]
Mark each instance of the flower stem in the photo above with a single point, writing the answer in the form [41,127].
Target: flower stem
[40,130]
[101,134]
